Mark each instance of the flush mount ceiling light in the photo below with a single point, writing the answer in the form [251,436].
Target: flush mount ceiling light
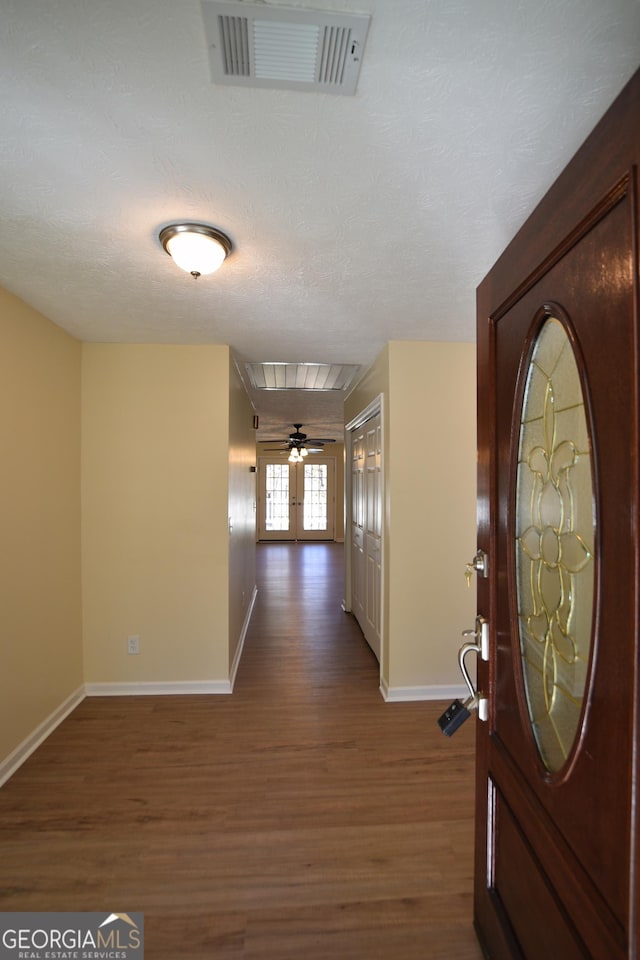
[196,247]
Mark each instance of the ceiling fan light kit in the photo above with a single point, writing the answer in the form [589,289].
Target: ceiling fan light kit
[298,454]
[299,445]
[197,248]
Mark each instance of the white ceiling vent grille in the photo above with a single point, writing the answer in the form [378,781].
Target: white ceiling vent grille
[257,45]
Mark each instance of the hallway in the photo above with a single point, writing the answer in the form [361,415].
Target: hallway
[301,818]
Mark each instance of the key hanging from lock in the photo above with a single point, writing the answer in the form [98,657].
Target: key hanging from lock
[479,565]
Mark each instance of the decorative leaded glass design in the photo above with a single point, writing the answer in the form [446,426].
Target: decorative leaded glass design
[315,496]
[554,549]
[277,500]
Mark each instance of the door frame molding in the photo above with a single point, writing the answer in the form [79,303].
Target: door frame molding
[375,407]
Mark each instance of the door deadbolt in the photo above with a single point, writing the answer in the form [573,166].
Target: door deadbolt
[479,565]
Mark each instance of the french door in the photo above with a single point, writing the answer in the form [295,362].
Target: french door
[296,501]
[557,764]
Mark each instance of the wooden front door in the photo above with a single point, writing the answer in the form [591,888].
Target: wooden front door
[557,769]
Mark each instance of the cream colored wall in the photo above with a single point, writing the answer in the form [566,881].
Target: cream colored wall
[429,405]
[154,510]
[41,644]
[242,508]
[432,493]
[373,383]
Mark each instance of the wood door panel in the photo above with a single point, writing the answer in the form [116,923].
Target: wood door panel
[557,852]
[602,765]
[580,894]
[535,913]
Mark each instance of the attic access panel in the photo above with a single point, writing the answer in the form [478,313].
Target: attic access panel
[257,45]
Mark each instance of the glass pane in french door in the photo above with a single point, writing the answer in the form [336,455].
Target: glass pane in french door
[277,496]
[315,504]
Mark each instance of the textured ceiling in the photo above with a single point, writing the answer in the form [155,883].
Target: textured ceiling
[355,220]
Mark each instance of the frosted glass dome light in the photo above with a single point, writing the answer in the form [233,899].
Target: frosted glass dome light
[195,247]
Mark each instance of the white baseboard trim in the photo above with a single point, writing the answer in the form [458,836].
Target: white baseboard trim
[432,692]
[157,688]
[243,634]
[17,757]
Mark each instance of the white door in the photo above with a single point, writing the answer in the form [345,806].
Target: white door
[373,532]
[366,529]
[358,514]
[296,501]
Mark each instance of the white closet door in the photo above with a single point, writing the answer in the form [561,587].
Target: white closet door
[366,529]
[373,533]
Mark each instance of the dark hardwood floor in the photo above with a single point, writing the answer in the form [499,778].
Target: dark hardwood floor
[301,818]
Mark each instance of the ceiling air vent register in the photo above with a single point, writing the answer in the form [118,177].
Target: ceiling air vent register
[256,45]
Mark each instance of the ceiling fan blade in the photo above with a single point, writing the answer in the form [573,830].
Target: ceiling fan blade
[318,440]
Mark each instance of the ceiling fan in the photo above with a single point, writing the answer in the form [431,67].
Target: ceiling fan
[299,443]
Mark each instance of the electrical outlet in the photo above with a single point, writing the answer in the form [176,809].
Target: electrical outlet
[133,644]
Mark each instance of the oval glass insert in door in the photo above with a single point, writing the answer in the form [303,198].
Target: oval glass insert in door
[555,541]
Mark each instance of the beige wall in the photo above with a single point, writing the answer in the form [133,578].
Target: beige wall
[242,508]
[155,430]
[432,491]
[41,652]
[430,505]
[373,383]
